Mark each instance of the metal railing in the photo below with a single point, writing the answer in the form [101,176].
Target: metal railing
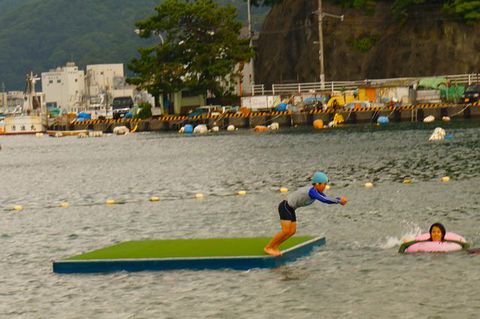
[315,87]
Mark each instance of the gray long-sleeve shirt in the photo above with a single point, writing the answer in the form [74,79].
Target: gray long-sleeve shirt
[307,195]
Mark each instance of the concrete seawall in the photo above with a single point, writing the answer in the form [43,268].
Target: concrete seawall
[287,118]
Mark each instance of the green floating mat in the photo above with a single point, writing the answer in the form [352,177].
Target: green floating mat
[170,254]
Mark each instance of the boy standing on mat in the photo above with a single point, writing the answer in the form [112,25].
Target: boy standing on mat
[300,198]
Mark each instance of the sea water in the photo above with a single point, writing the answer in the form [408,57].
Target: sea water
[358,274]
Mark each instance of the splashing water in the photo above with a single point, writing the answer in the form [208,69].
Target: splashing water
[392,241]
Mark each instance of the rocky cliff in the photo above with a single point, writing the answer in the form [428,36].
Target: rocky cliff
[364,45]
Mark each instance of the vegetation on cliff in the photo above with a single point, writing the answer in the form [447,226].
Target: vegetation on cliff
[466,9]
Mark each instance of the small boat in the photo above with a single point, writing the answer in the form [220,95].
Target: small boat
[423,244]
[29,119]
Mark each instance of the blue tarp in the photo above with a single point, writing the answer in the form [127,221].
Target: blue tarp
[84,116]
[281,107]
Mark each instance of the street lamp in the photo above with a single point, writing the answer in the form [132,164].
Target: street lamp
[320,40]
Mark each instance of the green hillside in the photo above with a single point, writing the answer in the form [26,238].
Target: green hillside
[40,35]
[6,5]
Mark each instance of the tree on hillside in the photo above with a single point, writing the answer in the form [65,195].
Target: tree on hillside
[198,49]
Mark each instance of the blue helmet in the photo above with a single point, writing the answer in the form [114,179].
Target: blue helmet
[319,178]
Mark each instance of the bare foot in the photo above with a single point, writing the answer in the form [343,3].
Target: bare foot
[272,252]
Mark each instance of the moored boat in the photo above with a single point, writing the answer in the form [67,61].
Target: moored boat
[22,124]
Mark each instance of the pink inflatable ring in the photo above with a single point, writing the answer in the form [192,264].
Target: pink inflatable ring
[422,244]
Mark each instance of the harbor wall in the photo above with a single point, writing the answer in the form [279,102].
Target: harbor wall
[284,119]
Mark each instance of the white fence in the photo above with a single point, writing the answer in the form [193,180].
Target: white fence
[312,87]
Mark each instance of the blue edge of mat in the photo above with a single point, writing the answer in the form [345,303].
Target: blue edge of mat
[202,263]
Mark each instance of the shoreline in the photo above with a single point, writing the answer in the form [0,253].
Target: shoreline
[409,113]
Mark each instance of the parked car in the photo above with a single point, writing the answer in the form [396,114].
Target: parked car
[472,94]
[121,106]
[204,110]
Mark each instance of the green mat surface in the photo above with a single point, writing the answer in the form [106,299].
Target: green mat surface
[185,248]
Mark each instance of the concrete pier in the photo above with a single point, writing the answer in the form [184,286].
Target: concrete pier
[410,113]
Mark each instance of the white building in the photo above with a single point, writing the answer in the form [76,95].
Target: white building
[103,78]
[64,87]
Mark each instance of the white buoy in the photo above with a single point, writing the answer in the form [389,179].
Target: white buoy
[429,119]
[368,185]
[242,193]
[274,126]
[446,119]
[200,129]
[231,128]
[121,130]
[154,199]
[283,190]
[215,129]
[39,134]
[445,179]
[199,196]
[438,134]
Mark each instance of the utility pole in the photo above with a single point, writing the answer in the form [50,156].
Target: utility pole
[321,14]
[250,35]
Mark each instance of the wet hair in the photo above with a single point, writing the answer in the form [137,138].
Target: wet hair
[442,229]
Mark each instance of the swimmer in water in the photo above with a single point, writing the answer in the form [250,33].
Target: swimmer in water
[437,232]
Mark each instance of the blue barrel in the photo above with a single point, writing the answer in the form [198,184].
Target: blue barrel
[383,120]
[188,129]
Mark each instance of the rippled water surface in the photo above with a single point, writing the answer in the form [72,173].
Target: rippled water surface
[358,274]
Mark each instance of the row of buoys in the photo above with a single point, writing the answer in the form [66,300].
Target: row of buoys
[200,196]
[444,179]
[272,127]
[202,129]
[92,134]
[431,119]
[337,120]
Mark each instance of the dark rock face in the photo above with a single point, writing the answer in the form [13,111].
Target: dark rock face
[365,45]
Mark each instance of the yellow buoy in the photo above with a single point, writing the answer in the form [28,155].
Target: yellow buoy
[154,199]
[283,190]
[110,202]
[242,193]
[18,208]
[369,185]
[407,181]
[64,205]
[327,187]
[445,179]
[199,196]
[318,124]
